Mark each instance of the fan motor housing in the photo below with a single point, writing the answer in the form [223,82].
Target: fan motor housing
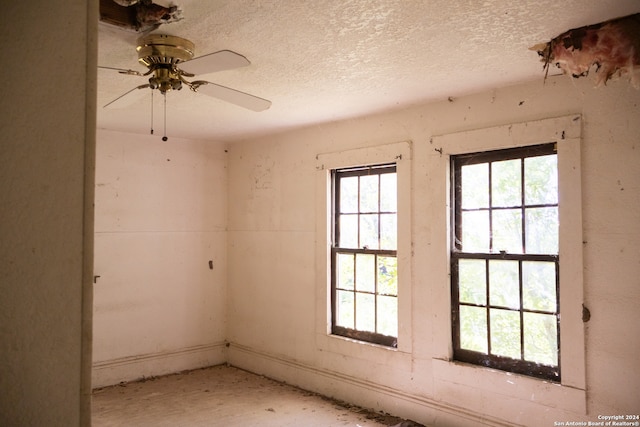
[155,49]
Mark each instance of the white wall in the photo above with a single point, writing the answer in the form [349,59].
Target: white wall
[273,285]
[160,218]
[47,140]
[165,209]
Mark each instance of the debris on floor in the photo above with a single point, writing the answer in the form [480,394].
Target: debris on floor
[224,395]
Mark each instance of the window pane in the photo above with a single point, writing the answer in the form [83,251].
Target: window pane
[473,329]
[369,231]
[365,312]
[388,315]
[504,286]
[505,333]
[349,194]
[365,272]
[364,276]
[387,275]
[472,281]
[475,231]
[345,309]
[475,186]
[540,338]
[388,232]
[541,180]
[348,231]
[369,193]
[507,231]
[539,285]
[388,192]
[506,184]
[345,271]
[542,230]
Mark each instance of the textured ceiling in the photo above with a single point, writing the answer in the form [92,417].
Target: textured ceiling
[325,60]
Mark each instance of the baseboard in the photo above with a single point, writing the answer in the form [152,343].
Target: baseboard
[136,367]
[365,393]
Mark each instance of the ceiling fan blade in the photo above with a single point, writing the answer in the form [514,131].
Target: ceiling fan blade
[233,96]
[126,93]
[123,71]
[212,62]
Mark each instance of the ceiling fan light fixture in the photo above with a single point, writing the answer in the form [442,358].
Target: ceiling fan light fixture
[166,78]
[165,86]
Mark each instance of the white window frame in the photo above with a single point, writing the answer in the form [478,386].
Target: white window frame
[566,132]
[400,154]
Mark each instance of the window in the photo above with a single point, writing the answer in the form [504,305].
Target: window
[505,260]
[364,267]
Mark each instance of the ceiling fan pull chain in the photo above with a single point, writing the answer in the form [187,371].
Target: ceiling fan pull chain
[164,138]
[151,112]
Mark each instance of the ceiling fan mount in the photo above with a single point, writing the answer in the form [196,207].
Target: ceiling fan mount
[163,49]
[161,54]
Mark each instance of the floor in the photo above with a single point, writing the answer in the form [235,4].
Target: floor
[225,396]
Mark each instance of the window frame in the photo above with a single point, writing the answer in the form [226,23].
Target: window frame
[459,378]
[505,363]
[399,153]
[358,334]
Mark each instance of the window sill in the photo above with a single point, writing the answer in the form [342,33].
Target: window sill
[357,341]
[363,350]
[470,379]
[367,337]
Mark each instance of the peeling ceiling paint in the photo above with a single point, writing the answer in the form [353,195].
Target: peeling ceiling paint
[138,15]
[326,60]
[611,47]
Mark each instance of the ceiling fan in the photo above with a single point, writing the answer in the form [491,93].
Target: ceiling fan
[170,63]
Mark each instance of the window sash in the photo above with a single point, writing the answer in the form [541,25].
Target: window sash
[519,365]
[512,364]
[336,249]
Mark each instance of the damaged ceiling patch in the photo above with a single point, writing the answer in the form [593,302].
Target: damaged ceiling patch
[612,47]
[138,15]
